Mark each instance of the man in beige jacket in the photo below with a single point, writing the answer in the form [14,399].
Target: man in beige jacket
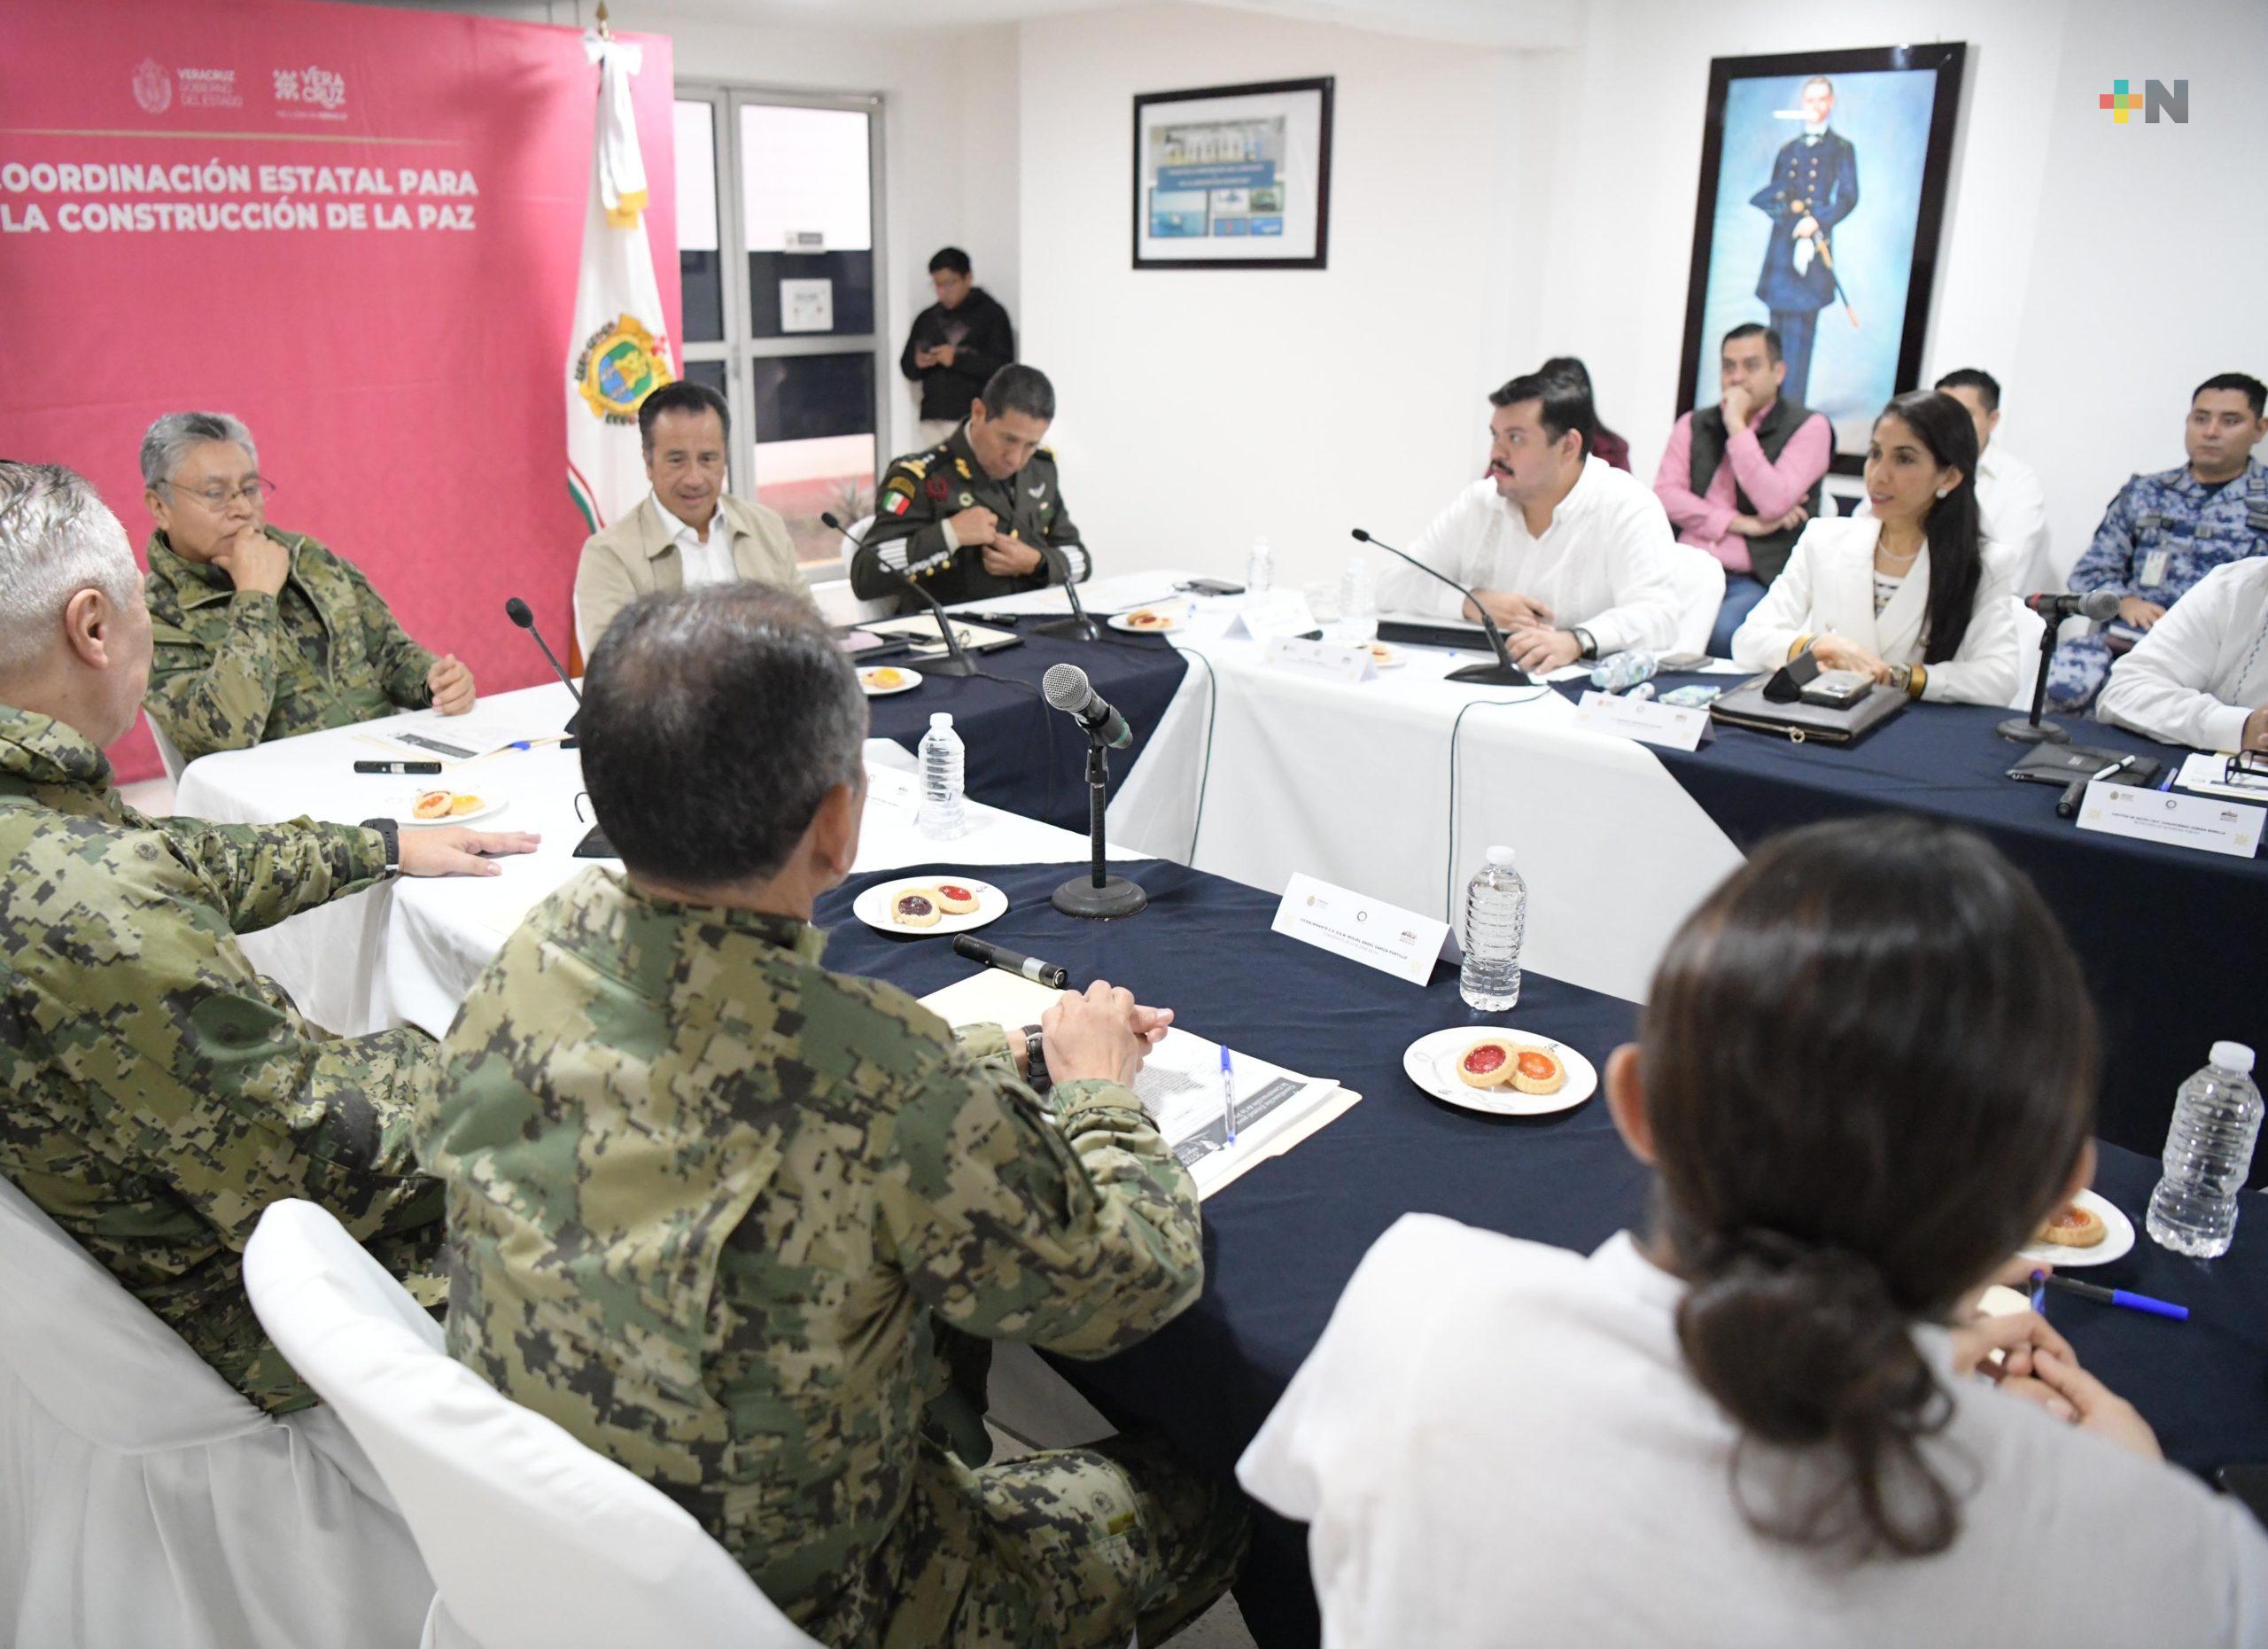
[689,532]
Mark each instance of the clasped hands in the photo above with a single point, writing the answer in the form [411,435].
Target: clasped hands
[1005,556]
[1530,637]
[2025,1358]
[1099,1034]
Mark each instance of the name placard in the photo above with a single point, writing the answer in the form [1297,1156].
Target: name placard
[1276,612]
[1366,930]
[1677,726]
[1329,660]
[2201,821]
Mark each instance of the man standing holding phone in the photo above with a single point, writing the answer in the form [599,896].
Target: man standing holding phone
[957,343]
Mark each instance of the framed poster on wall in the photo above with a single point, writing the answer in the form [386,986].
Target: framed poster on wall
[1233,177]
[1785,234]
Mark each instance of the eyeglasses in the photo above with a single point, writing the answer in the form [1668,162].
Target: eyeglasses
[216,497]
[2248,770]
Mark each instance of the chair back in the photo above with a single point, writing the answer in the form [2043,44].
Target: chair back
[1700,580]
[834,597]
[535,1541]
[168,752]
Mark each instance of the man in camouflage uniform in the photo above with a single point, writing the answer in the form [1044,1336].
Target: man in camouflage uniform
[2165,532]
[262,634]
[725,1214]
[969,518]
[160,1092]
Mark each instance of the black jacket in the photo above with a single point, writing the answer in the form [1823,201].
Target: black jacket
[982,341]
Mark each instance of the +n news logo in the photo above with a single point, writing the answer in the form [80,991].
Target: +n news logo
[2156,98]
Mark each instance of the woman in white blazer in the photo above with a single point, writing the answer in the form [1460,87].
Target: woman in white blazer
[1908,594]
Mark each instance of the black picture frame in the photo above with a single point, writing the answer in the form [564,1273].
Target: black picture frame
[1948,59]
[1324,85]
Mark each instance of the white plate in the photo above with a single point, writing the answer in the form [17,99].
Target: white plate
[488,809]
[913,680]
[873,906]
[1173,621]
[1385,656]
[2117,1239]
[1432,1059]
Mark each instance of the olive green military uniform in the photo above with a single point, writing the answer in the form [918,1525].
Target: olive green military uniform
[234,668]
[160,1093]
[911,532]
[709,1206]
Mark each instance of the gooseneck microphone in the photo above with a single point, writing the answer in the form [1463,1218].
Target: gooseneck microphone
[1503,672]
[1068,688]
[1078,626]
[2055,606]
[519,613]
[955,661]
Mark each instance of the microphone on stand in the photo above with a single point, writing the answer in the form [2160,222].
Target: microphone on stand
[519,613]
[957,661]
[1097,893]
[2054,607]
[1078,626]
[1503,672]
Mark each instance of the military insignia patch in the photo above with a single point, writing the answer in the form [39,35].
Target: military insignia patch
[961,465]
[897,503]
[937,489]
[965,501]
[619,366]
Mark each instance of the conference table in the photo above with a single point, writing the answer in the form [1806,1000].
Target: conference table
[1280,1241]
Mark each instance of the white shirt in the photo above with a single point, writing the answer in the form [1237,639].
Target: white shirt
[1603,562]
[700,564]
[1499,1443]
[2012,511]
[1828,586]
[2200,670]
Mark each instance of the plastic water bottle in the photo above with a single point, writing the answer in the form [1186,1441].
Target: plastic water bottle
[942,815]
[1619,673]
[1358,607]
[2208,1155]
[1495,921]
[1259,569]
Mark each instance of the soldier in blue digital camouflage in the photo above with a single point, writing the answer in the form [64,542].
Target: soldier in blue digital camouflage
[2165,532]
[160,1092]
[260,633]
[733,1219]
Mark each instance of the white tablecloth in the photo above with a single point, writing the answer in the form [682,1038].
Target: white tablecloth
[407,951]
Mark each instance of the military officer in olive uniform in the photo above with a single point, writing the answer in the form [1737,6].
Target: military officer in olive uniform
[2164,533]
[980,514]
[1815,186]
[730,1218]
[262,634]
[160,1091]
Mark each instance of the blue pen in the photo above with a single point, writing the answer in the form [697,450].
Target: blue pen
[2119,1297]
[1228,1095]
[2040,1293]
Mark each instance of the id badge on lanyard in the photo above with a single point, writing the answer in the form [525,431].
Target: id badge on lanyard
[2154,568]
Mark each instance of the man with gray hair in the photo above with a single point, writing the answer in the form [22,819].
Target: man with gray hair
[744,1225]
[160,1091]
[262,634]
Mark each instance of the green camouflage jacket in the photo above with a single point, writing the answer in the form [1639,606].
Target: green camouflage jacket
[708,1203]
[234,669]
[159,1093]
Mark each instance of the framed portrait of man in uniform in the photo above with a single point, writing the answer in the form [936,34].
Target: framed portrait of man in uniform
[1822,194]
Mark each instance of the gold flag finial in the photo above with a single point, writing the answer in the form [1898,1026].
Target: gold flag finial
[605,32]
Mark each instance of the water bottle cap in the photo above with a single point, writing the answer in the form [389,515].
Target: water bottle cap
[941,718]
[2232,1056]
[1500,855]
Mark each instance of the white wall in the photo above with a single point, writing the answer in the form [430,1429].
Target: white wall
[1197,408]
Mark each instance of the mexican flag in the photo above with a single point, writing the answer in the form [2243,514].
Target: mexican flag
[620,348]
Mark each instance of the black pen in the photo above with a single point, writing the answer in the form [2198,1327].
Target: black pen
[2068,802]
[396,767]
[977,950]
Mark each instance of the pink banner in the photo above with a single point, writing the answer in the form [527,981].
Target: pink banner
[355,227]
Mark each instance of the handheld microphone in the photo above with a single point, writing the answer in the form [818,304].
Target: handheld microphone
[2099,605]
[955,661]
[1503,672]
[1068,688]
[519,613]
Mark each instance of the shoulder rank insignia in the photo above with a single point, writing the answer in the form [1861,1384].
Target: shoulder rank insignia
[915,467]
[961,465]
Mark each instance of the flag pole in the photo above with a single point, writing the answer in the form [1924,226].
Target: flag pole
[606,30]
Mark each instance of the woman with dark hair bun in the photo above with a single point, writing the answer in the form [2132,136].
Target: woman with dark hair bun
[1910,593]
[1866,1074]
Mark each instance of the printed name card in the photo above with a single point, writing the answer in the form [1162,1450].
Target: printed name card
[2199,821]
[1328,659]
[1366,930]
[1677,726]
[1273,613]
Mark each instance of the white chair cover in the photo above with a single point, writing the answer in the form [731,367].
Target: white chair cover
[536,1540]
[168,752]
[834,597]
[143,1502]
[1700,580]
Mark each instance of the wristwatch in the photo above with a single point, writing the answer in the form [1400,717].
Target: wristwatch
[1036,1061]
[1586,640]
[390,833]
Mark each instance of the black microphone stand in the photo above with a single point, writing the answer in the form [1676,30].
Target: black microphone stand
[955,661]
[1078,627]
[1098,894]
[593,845]
[2030,729]
[1503,672]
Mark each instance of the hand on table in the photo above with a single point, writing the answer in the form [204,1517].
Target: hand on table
[452,686]
[1537,649]
[2255,729]
[1840,652]
[974,527]
[1102,1033]
[2139,613]
[1008,556]
[2098,1409]
[2018,1336]
[1508,609]
[253,561]
[454,851]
